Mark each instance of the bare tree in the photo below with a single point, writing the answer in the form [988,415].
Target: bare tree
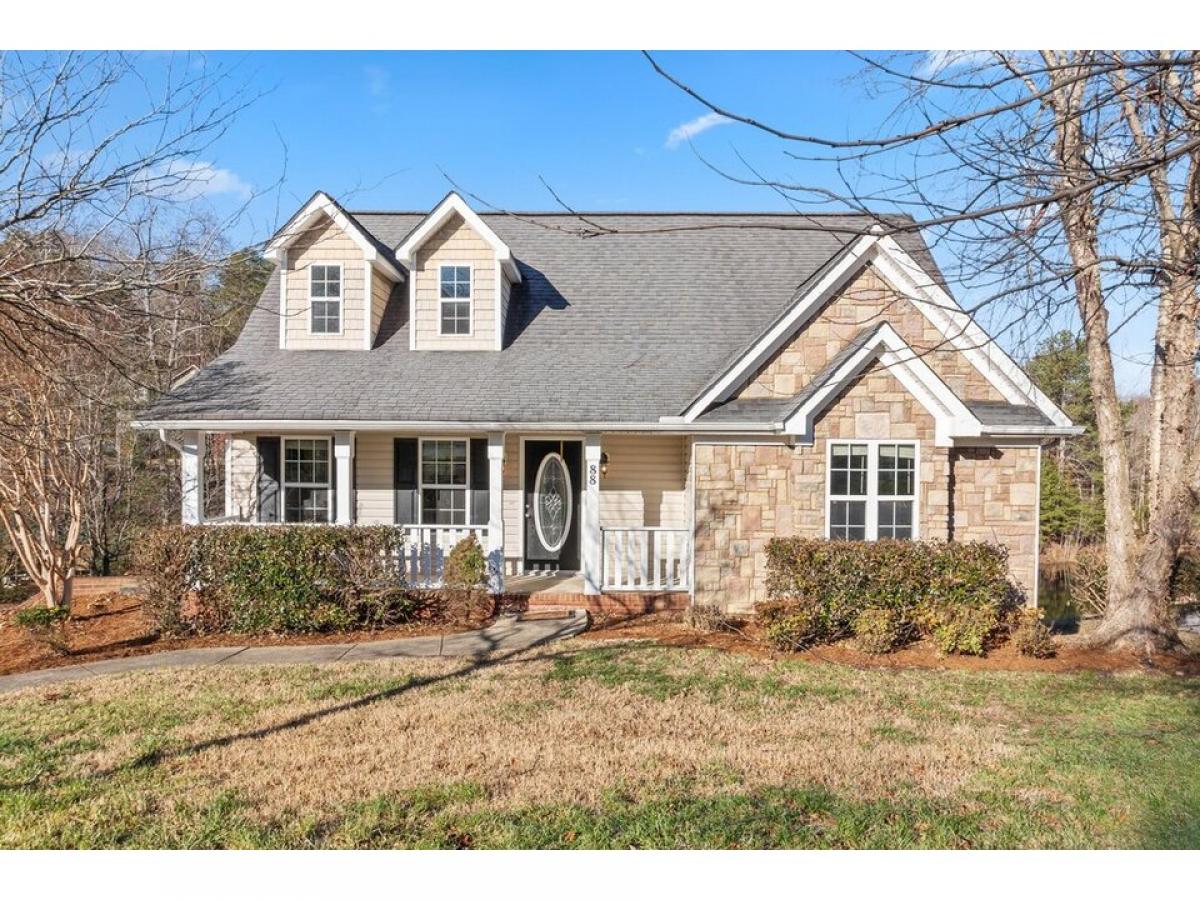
[81,182]
[46,466]
[1066,184]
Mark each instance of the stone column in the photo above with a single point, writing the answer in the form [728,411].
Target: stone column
[592,541]
[343,455]
[191,468]
[495,547]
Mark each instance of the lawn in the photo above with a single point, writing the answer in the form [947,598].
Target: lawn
[586,744]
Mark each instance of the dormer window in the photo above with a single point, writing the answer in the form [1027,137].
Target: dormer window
[455,300]
[325,299]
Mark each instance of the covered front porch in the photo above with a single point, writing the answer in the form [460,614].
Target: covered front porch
[557,514]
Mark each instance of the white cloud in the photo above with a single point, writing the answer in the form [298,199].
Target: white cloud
[378,80]
[939,62]
[689,130]
[190,180]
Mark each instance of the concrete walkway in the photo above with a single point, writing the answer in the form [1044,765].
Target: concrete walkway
[507,634]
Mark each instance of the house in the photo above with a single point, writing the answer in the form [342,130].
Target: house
[622,406]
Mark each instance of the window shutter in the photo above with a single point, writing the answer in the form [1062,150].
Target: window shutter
[269,499]
[480,510]
[404,479]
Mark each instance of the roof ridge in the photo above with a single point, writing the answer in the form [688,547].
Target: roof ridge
[643,212]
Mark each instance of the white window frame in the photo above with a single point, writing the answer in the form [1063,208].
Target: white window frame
[422,486]
[341,299]
[285,484]
[872,495]
[470,267]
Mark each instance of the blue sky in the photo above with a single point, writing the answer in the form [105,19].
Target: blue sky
[383,130]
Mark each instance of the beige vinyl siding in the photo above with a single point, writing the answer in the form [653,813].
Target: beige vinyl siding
[381,290]
[455,244]
[646,482]
[321,244]
[374,495]
[243,475]
[646,485]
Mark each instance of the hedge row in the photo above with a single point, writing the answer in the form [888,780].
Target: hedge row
[885,593]
[289,579]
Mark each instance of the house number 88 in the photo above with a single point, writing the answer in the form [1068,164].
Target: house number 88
[593,471]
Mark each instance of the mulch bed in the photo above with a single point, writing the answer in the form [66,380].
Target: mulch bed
[666,629]
[112,625]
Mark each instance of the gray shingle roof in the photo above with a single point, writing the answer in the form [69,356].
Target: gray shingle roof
[993,413]
[622,327]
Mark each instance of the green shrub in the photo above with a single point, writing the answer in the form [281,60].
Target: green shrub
[965,629]
[792,623]
[921,584]
[464,579]
[46,624]
[1031,636]
[286,579]
[878,629]
[39,617]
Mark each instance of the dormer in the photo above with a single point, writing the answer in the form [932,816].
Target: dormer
[334,279]
[462,278]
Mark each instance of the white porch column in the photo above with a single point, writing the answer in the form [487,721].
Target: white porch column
[191,470]
[592,542]
[495,547]
[343,453]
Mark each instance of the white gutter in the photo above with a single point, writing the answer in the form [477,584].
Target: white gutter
[409,425]
[162,436]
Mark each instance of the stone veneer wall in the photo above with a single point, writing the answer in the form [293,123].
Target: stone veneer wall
[746,494]
[996,500]
[866,301]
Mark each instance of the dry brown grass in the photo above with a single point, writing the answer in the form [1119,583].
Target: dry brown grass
[532,730]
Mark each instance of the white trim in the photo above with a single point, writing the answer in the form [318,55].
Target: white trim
[1037,533]
[433,425]
[421,484]
[501,313]
[368,307]
[908,279]
[323,205]
[470,267]
[495,548]
[284,484]
[537,516]
[951,416]
[872,495]
[412,310]
[283,310]
[341,299]
[452,203]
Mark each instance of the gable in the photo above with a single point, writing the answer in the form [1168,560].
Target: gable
[865,301]
[909,281]
[875,405]
[458,244]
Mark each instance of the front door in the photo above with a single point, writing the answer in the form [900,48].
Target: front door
[553,476]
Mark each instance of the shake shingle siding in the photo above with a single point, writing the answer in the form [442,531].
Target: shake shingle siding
[623,327]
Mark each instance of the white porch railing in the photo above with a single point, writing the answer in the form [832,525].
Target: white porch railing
[647,559]
[427,546]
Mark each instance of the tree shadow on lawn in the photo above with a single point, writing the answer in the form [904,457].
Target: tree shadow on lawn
[480,661]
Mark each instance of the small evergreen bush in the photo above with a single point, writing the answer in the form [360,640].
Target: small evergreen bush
[890,590]
[1031,636]
[878,629]
[46,624]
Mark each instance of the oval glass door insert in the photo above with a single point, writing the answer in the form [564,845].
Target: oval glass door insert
[552,502]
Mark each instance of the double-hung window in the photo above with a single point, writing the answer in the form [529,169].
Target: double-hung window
[872,490]
[325,299]
[454,300]
[306,480]
[443,482]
